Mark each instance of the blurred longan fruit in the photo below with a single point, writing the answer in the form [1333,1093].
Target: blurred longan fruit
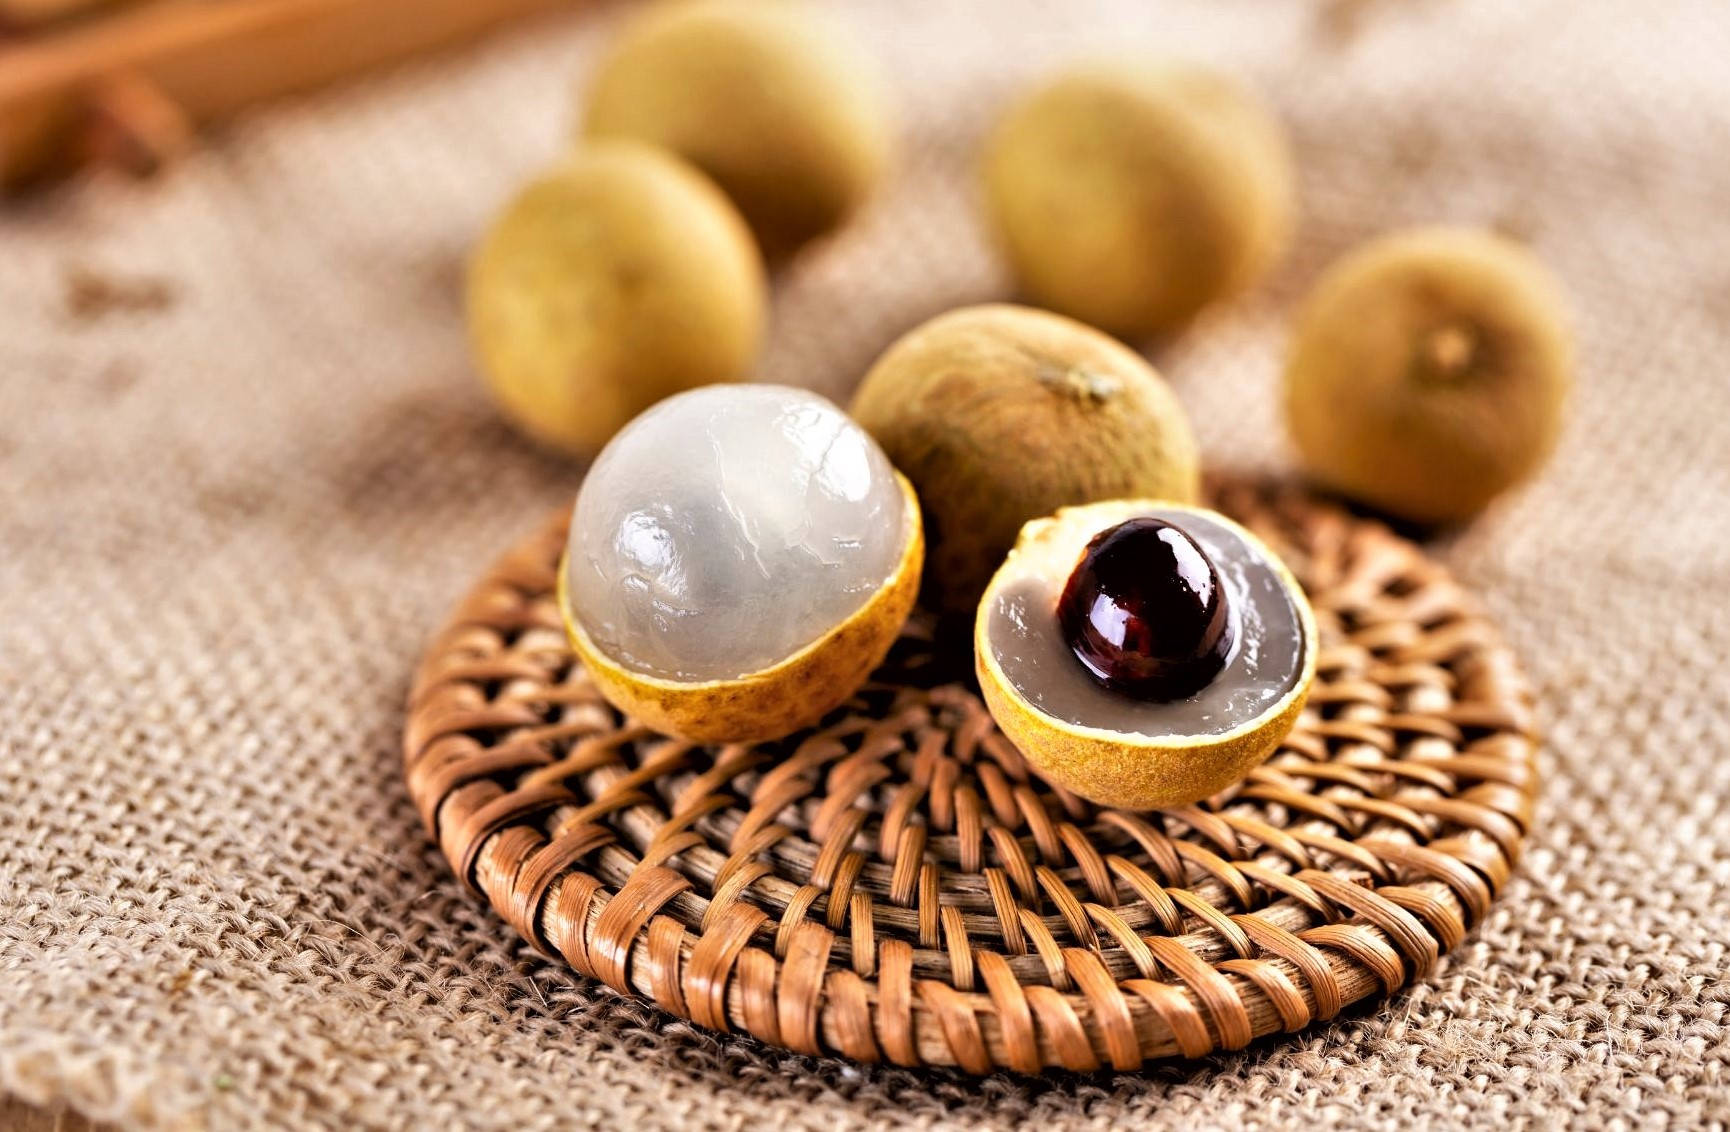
[1130,197]
[1428,372]
[1000,414]
[620,277]
[762,95]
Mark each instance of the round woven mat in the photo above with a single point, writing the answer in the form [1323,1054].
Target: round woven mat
[896,885]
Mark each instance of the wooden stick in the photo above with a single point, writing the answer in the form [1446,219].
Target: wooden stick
[134,125]
[29,13]
[209,59]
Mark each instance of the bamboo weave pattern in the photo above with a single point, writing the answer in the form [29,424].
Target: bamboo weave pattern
[895,885]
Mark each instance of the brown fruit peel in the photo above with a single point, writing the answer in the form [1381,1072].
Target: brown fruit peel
[1001,413]
[620,276]
[771,100]
[1429,372]
[1132,196]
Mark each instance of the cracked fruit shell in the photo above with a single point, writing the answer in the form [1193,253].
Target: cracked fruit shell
[1127,744]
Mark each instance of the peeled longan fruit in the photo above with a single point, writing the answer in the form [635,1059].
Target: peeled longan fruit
[621,277]
[1000,414]
[1131,197]
[747,586]
[1428,372]
[763,96]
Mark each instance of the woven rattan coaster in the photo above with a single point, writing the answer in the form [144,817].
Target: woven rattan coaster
[897,886]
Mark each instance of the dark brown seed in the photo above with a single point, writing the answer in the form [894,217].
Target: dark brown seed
[1145,613]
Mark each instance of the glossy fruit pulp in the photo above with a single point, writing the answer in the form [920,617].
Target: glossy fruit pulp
[1145,613]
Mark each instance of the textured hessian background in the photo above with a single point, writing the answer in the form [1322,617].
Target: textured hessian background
[245,469]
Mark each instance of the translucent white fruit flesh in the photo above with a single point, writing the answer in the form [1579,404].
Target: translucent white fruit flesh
[726,528]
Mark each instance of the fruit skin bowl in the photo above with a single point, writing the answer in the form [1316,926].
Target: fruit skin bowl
[896,885]
[1142,772]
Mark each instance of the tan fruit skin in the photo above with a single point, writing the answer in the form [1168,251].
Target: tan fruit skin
[1000,414]
[1368,414]
[763,96]
[766,705]
[621,277]
[1131,197]
[1136,772]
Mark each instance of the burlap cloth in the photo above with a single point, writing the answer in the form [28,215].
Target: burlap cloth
[245,469]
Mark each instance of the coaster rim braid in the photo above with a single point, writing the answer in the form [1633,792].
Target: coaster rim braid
[896,886]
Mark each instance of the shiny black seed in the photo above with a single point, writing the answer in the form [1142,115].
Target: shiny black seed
[1145,613]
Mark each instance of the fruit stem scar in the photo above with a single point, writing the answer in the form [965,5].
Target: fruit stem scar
[1078,382]
[1447,353]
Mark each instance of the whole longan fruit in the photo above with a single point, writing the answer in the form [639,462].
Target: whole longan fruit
[1130,197]
[763,96]
[1428,372]
[620,277]
[999,414]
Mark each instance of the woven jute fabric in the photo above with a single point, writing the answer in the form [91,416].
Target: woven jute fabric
[245,472]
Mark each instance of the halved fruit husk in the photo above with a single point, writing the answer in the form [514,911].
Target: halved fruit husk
[794,693]
[1129,770]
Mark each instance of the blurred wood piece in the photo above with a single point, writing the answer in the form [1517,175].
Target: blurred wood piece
[29,13]
[130,84]
[134,125]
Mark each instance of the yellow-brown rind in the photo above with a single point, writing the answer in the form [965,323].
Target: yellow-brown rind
[620,277]
[1131,196]
[764,96]
[1000,414]
[1136,772]
[1429,372]
[773,703]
